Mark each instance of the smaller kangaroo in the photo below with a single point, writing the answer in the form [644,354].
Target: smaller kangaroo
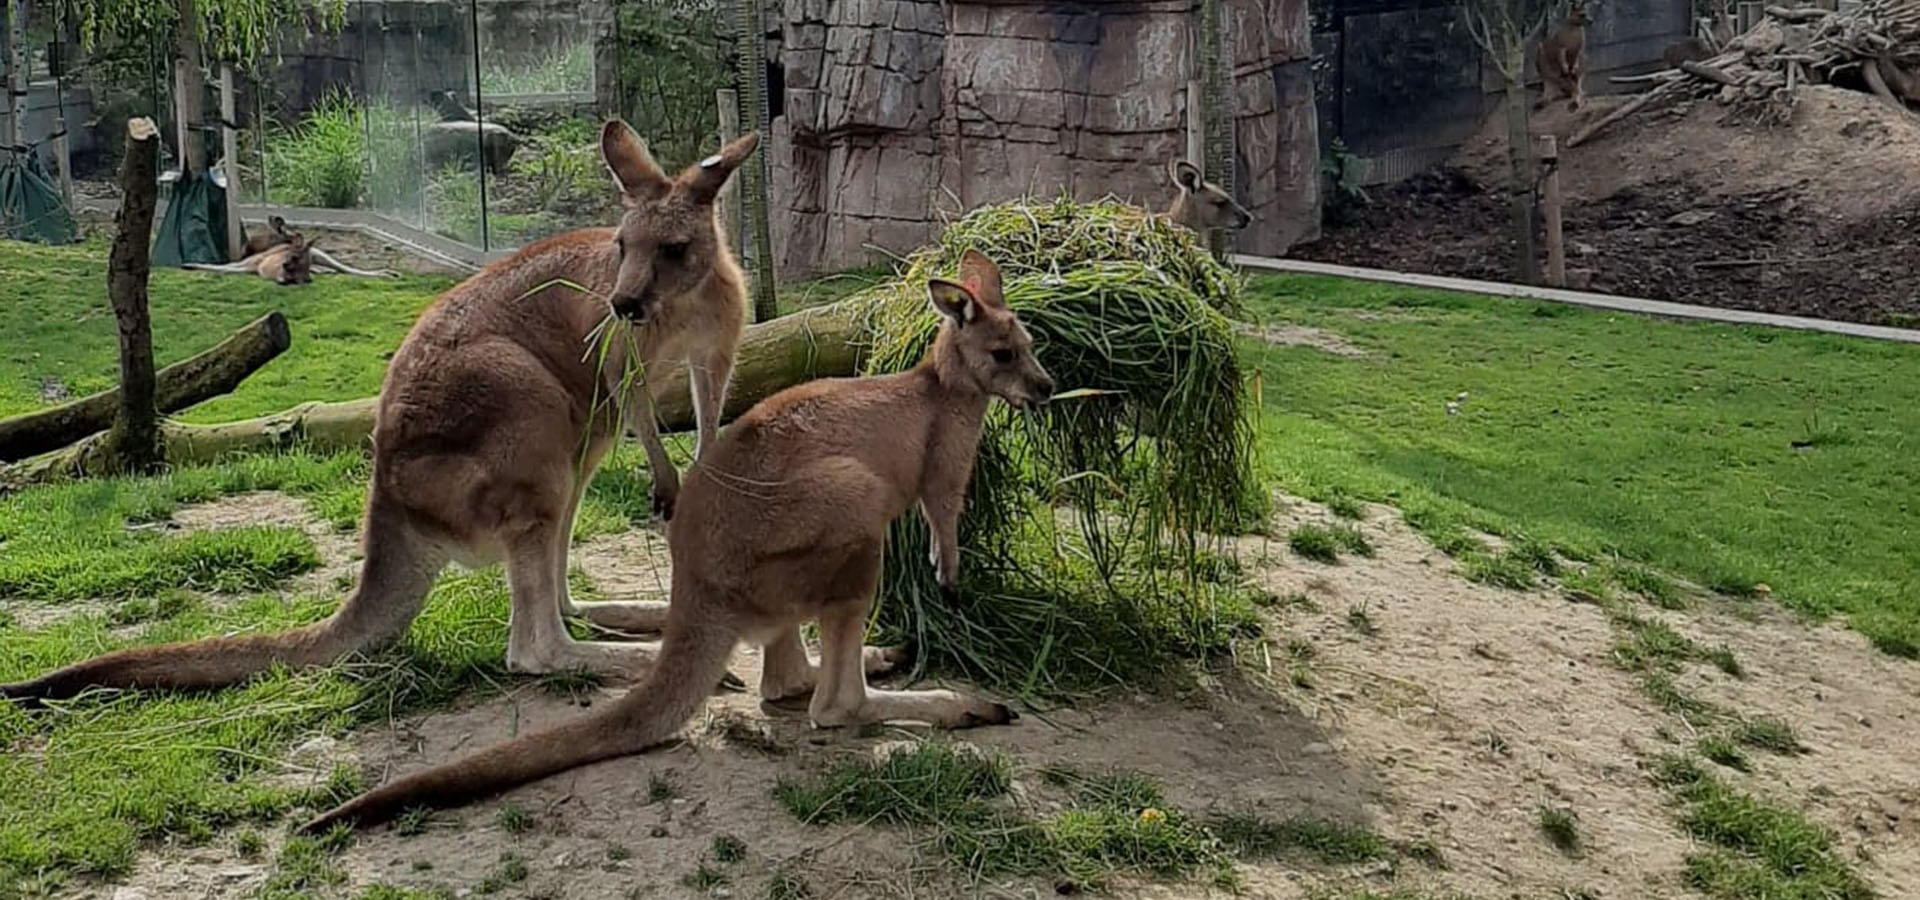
[782,522]
[1203,205]
[1562,59]
[286,263]
[275,234]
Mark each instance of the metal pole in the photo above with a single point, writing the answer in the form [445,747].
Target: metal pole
[480,120]
[727,103]
[751,42]
[1196,124]
[230,160]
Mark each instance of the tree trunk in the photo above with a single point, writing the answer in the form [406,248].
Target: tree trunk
[134,443]
[1526,268]
[817,343]
[187,88]
[17,82]
[212,373]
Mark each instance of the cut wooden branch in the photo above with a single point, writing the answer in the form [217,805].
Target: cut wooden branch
[1587,133]
[213,372]
[821,342]
[1701,70]
[1798,15]
[134,443]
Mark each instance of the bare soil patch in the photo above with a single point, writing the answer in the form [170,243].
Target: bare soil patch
[1464,711]
[1684,205]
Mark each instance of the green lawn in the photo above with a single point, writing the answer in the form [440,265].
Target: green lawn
[1729,456]
[55,323]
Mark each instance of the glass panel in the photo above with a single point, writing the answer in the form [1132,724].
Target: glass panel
[541,134]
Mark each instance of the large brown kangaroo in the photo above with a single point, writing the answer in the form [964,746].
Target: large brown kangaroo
[491,423]
[1203,205]
[783,522]
[1562,59]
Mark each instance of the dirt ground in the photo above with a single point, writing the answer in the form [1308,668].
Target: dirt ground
[1396,731]
[1684,205]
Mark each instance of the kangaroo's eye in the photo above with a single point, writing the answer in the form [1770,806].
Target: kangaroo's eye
[1003,356]
[674,251]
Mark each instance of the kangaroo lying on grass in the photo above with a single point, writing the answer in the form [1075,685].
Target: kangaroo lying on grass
[491,424]
[1203,205]
[288,262]
[284,257]
[783,522]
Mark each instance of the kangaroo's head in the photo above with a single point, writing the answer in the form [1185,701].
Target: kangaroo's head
[296,264]
[982,346]
[1577,14]
[667,242]
[1203,205]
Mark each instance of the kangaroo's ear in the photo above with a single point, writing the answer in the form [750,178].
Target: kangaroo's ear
[277,224]
[633,168]
[705,180]
[1186,175]
[952,300]
[982,278]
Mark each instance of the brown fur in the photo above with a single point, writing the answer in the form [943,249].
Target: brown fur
[1692,49]
[287,262]
[1562,59]
[783,523]
[275,234]
[490,425]
[1203,205]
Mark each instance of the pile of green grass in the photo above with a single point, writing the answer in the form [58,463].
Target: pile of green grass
[1083,531]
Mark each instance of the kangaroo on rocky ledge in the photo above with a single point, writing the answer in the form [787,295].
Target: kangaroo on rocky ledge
[783,522]
[492,420]
[1203,205]
[1562,59]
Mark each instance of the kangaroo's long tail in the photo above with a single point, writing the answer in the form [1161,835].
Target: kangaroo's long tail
[397,574]
[692,659]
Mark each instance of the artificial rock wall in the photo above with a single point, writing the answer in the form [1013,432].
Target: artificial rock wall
[900,113]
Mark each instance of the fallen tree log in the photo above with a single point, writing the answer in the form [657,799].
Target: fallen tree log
[815,343]
[209,374]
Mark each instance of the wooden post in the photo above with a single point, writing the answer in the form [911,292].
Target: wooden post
[727,104]
[63,158]
[1550,205]
[1196,125]
[134,442]
[230,160]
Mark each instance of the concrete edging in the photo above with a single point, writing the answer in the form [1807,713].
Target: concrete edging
[1580,298]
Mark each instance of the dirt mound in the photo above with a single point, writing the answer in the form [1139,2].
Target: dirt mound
[1684,205]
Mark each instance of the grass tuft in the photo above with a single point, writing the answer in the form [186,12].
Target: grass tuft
[1723,751]
[1252,837]
[1769,733]
[1561,827]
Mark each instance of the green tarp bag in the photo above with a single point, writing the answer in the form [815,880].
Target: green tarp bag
[194,229]
[30,207]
